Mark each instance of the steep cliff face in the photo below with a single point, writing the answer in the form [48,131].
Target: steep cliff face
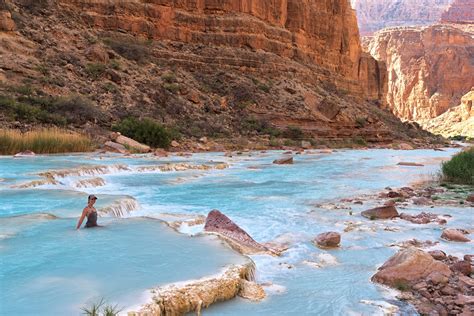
[429,69]
[460,11]
[323,33]
[209,67]
[374,15]
[458,120]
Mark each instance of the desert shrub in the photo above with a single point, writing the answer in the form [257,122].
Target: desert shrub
[262,127]
[171,87]
[129,48]
[75,109]
[169,77]
[145,131]
[361,122]
[293,132]
[47,141]
[25,112]
[360,141]
[460,169]
[95,70]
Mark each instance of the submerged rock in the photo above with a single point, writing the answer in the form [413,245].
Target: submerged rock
[408,267]
[284,161]
[383,212]
[410,164]
[216,222]
[328,240]
[452,234]
[423,218]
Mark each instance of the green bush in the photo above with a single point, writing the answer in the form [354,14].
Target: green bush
[293,132]
[145,131]
[460,169]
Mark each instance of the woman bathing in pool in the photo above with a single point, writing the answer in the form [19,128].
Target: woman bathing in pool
[90,212]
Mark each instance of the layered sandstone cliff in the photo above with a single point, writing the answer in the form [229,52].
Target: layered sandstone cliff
[374,15]
[216,68]
[429,68]
[458,120]
[460,11]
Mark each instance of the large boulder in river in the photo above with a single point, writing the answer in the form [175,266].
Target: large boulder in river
[408,267]
[453,234]
[383,212]
[328,240]
[216,222]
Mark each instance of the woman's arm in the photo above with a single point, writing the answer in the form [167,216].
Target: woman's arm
[81,219]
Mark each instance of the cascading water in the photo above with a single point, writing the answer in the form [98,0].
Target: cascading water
[54,268]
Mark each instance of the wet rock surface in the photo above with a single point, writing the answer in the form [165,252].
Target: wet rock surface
[452,234]
[436,284]
[383,212]
[284,161]
[423,218]
[216,222]
[328,240]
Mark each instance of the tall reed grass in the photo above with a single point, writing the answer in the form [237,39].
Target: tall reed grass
[45,141]
[460,169]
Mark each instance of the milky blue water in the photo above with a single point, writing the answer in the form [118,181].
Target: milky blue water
[54,268]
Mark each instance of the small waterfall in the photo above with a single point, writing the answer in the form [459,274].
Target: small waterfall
[120,208]
[90,183]
[181,167]
[35,183]
[84,171]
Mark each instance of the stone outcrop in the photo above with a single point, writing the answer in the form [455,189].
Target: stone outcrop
[180,299]
[409,266]
[460,11]
[436,284]
[130,143]
[328,240]
[216,222]
[457,121]
[374,15]
[6,22]
[429,68]
[383,212]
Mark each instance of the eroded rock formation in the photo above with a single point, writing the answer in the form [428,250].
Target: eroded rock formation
[429,69]
[374,15]
[180,299]
[458,120]
[460,11]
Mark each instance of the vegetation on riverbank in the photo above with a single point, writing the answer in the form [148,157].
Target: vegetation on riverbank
[45,141]
[460,169]
[146,131]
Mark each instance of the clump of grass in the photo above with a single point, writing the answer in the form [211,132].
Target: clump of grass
[460,169]
[101,308]
[145,131]
[46,141]
[360,141]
